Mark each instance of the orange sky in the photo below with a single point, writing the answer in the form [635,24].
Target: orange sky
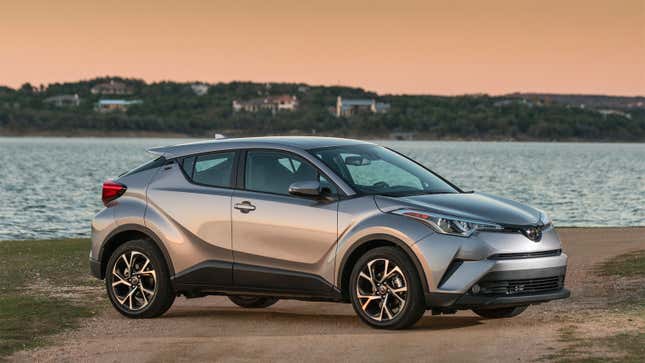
[393,46]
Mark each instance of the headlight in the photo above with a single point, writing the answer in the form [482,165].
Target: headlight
[447,224]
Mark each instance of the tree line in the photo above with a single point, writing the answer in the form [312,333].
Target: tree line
[173,107]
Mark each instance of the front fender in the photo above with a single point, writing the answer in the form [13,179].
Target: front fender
[360,222]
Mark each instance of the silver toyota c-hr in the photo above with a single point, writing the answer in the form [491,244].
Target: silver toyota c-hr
[322,219]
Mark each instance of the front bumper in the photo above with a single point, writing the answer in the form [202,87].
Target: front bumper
[464,302]
[506,288]
[471,301]
[492,269]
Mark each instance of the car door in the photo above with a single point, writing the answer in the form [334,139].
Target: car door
[281,241]
[190,201]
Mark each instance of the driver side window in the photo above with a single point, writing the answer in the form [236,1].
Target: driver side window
[274,171]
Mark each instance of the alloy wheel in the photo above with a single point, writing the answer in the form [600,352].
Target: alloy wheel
[381,289]
[134,280]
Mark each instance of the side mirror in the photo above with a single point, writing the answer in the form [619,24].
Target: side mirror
[305,188]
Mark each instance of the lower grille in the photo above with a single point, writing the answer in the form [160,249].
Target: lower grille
[517,287]
[513,256]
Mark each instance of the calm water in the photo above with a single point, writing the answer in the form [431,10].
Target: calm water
[50,187]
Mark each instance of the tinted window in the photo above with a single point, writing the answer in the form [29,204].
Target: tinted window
[274,172]
[187,164]
[211,169]
[371,169]
[372,172]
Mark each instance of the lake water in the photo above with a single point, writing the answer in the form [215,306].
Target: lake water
[50,187]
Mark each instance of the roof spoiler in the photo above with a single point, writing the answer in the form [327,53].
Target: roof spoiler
[160,151]
[171,150]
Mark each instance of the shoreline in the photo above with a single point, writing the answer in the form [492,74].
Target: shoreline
[558,228]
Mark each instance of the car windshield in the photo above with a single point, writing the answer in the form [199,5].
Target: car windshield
[375,170]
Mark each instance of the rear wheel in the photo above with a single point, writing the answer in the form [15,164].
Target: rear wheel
[385,289]
[500,312]
[253,302]
[137,280]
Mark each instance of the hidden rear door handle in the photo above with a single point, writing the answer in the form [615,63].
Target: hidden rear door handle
[244,207]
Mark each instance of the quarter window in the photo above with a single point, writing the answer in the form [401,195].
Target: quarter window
[212,169]
[187,164]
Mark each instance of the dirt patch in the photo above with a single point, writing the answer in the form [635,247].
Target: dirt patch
[213,328]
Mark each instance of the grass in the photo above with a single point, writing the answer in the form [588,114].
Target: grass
[627,265]
[625,346]
[45,288]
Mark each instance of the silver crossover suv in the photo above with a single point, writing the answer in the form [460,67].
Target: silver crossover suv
[321,219]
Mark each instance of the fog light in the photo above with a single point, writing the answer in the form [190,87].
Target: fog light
[475,289]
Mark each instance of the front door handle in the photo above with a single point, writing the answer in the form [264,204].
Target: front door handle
[244,207]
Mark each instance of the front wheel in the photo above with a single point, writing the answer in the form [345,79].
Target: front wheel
[253,302]
[137,280]
[500,312]
[385,289]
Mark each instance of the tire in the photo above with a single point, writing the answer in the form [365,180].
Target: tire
[500,312]
[144,293]
[377,281]
[253,302]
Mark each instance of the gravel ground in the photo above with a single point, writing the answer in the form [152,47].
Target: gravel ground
[212,328]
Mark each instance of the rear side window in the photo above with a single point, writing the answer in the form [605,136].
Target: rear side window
[211,169]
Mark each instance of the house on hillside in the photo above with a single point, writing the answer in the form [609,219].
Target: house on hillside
[349,107]
[115,105]
[619,113]
[199,89]
[63,100]
[271,103]
[112,88]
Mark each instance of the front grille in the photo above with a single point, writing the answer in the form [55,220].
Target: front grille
[517,287]
[513,256]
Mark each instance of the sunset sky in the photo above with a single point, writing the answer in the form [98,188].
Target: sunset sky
[402,46]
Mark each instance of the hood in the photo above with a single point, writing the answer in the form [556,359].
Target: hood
[477,206]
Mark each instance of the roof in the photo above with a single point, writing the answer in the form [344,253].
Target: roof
[356,102]
[119,102]
[268,100]
[280,98]
[286,142]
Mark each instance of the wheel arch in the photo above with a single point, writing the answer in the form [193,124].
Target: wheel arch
[129,232]
[367,243]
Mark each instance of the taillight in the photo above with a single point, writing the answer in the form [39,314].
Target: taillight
[111,191]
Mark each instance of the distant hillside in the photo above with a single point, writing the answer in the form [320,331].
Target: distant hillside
[114,106]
